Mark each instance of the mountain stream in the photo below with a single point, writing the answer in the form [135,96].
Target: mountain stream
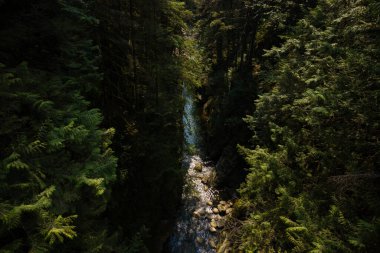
[201,216]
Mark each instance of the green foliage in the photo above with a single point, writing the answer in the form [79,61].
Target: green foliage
[235,35]
[313,170]
[56,162]
[193,68]
[61,228]
[146,59]
[47,170]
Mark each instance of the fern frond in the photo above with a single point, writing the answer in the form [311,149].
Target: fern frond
[288,221]
[10,216]
[35,147]
[17,164]
[97,183]
[60,229]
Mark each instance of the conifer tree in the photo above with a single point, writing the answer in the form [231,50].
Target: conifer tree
[56,162]
[313,179]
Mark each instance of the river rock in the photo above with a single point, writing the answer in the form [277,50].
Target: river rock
[220,223]
[212,243]
[198,167]
[204,180]
[222,208]
[213,223]
[212,229]
[199,213]
[199,240]
[209,203]
[205,188]
[229,210]
[223,202]
[224,247]
[215,210]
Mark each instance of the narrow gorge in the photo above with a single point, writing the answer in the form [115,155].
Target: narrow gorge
[189,126]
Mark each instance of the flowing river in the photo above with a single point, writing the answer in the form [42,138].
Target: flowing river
[200,219]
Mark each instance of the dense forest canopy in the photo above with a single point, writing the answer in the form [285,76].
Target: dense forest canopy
[92,131]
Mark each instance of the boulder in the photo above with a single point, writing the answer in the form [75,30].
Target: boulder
[224,247]
[199,240]
[199,213]
[212,243]
[213,223]
[205,180]
[222,208]
[198,167]
[220,223]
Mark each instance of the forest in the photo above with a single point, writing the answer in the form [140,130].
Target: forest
[189,126]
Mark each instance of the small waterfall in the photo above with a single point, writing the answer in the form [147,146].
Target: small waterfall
[189,122]
[193,232]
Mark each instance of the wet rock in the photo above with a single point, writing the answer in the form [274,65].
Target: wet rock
[196,215]
[198,167]
[217,217]
[225,247]
[222,208]
[199,213]
[212,229]
[199,240]
[209,203]
[215,210]
[220,223]
[212,243]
